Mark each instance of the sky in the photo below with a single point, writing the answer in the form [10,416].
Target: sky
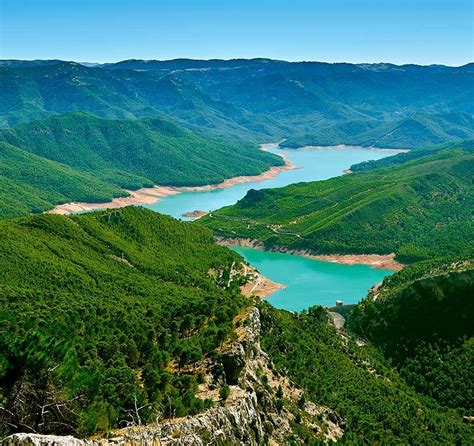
[397,31]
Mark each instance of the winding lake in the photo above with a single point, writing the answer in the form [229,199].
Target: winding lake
[312,165]
[308,282]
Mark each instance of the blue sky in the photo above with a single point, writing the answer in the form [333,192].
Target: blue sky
[402,31]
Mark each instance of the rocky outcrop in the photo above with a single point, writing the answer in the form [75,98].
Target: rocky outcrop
[42,440]
[251,415]
[234,362]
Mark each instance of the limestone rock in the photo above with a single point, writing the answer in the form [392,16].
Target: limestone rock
[249,416]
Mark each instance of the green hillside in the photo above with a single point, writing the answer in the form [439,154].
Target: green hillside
[95,310]
[79,157]
[417,210]
[413,131]
[421,318]
[132,154]
[467,145]
[108,311]
[354,380]
[32,184]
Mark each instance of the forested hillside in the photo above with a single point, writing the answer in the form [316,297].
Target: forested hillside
[377,406]
[79,157]
[105,312]
[260,99]
[99,312]
[421,318]
[412,131]
[418,210]
[32,184]
[467,145]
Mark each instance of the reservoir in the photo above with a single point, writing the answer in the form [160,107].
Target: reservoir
[310,165]
[308,282]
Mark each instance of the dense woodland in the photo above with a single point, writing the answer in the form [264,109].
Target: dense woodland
[79,157]
[100,311]
[421,318]
[418,210]
[377,405]
[390,161]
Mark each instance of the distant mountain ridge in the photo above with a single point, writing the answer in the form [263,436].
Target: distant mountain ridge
[189,63]
[256,99]
[185,63]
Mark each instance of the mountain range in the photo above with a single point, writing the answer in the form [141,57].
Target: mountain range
[259,99]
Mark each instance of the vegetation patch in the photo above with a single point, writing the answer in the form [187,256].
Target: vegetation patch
[86,338]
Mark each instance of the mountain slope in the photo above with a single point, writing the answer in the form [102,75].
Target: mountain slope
[416,130]
[421,318]
[126,315]
[418,210]
[31,184]
[466,145]
[79,157]
[356,382]
[132,154]
[259,99]
[101,311]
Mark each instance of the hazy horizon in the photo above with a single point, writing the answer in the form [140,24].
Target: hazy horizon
[94,63]
[422,32]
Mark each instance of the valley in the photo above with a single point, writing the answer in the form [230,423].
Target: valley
[167,276]
[343,283]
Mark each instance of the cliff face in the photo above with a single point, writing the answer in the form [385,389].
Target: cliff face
[252,414]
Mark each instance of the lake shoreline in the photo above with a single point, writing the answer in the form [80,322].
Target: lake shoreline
[151,195]
[258,284]
[377,261]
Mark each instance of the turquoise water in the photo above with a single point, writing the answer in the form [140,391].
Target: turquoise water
[314,165]
[310,282]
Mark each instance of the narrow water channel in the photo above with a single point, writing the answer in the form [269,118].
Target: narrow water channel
[310,165]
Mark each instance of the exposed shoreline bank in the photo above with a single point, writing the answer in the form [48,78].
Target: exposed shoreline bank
[258,284]
[377,261]
[152,195]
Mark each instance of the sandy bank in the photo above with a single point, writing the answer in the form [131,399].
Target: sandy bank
[375,260]
[148,195]
[267,175]
[152,195]
[258,284]
[195,214]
